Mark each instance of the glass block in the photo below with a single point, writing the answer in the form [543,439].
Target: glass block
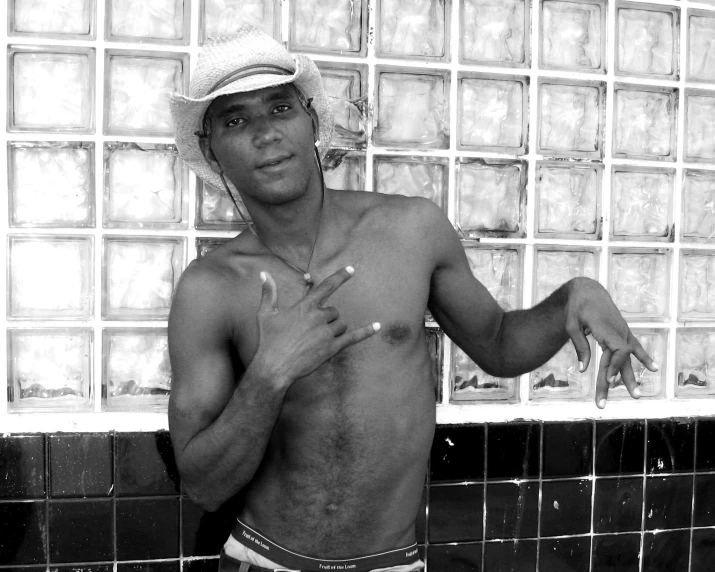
[50,277]
[471,383]
[413,29]
[644,123]
[225,17]
[639,283]
[493,113]
[694,362]
[51,184]
[491,197]
[328,26]
[568,199]
[701,46]
[69,19]
[698,223]
[642,203]
[696,300]
[559,378]
[136,374]
[137,87]
[435,346]
[206,244]
[51,89]
[154,21]
[412,108]
[573,35]
[556,265]
[50,369]
[140,274]
[571,118]
[500,269]
[426,177]
[346,87]
[495,32]
[699,126]
[344,171]
[651,383]
[647,40]
[145,186]
[215,209]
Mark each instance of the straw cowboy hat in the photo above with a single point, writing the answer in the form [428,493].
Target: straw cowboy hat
[248,60]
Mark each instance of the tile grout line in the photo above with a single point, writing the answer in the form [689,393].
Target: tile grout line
[538,507]
[641,554]
[484,493]
[593,494]
[48,477]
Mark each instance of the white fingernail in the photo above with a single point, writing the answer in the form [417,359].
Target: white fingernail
[580,366]
[601,403]
[612,379]
[655,365]
[263,277]
[376,326]
[350,269]
[636,392]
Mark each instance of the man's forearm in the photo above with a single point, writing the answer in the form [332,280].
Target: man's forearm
[221,459]
[529,338]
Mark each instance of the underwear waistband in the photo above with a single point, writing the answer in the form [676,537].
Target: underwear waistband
[258,542]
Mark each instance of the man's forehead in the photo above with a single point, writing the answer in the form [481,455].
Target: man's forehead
[286,91]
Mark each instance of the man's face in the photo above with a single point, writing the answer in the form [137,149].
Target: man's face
[264,142]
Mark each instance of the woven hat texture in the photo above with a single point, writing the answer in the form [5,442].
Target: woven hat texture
[257,61]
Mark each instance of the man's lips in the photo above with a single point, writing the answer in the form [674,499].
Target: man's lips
[274,162]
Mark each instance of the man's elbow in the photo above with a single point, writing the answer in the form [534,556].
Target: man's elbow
[205,497]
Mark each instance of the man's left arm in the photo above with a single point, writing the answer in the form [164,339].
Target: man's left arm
[507,344]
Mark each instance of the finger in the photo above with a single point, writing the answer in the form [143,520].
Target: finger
[338,327]
[269,293]
[620,356]
[580,343]
[629,379]
[642,355]
[601,380]
[357,335]
[330,314]
[322,291]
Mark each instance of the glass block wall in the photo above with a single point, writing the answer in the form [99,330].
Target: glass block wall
[562,139]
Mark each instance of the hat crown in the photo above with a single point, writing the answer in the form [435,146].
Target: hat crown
[248,47]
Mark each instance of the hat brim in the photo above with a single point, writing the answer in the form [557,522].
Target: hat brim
[188,113]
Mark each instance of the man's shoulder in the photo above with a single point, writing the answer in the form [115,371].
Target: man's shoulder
[392,210]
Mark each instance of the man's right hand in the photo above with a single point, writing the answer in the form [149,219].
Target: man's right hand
[295,341]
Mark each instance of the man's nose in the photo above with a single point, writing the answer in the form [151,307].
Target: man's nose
[265,131]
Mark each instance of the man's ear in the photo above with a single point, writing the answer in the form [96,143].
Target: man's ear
[205,146]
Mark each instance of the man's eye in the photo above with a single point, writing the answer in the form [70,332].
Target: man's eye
[282,108]
[234,121]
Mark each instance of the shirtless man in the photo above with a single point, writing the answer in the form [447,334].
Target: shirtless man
[315,403]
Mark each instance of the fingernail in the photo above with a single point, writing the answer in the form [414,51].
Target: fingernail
[263,277]
[655,365]
[580,366]
[376,326]
[612,379]
[350,269]
[601,403]
[636,392]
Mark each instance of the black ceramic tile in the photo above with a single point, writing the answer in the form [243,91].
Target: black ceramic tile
[421,520]
[567,449]
[704,500]
[565,507]
[703,554]
[201,565]
[705,454]
[81,531]
[455,558]
[81,568]
[145,464]
[565,554]
[170,566]
[204,533]
[513,450]
[457,453]
[666,551]
[668,502]
[147,529]
[512,510]
[455,513]
[616,553]
[618,505]
[23,533]
[671,446]
[517,556]
[22,467]
[620,447]
[80,465]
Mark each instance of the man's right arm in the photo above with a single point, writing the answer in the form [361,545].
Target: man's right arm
[219,425]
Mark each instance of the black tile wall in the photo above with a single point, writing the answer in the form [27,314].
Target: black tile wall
[516,497]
